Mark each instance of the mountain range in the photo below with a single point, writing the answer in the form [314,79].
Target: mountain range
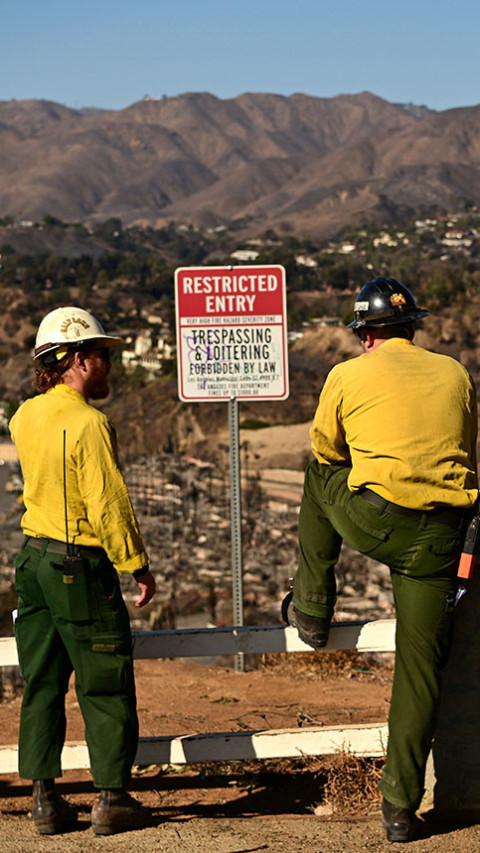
[298,164]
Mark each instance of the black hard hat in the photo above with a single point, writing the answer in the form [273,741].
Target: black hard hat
[385,302]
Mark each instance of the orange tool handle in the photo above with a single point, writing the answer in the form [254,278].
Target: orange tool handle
[466,566]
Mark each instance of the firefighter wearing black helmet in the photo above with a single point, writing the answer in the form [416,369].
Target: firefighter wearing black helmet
[394,475]
[385,302]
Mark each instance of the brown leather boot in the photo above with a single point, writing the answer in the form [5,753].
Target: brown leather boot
[50,812]
[116,811]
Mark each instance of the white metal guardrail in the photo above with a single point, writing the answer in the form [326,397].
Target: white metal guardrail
[378,636]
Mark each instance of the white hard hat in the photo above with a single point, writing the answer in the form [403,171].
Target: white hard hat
[66,326]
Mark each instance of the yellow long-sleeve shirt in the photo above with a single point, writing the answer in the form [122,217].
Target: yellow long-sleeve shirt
[405,419]
[99,512]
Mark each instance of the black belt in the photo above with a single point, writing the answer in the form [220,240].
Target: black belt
[439,515]
[54,546]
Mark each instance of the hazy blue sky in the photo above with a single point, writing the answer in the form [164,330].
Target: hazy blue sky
[110,53]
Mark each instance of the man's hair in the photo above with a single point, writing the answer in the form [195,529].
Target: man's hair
[49,371]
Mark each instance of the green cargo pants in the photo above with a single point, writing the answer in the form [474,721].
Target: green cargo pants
[422,552]
[74,622]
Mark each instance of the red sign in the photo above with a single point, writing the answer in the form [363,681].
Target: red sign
[231,333]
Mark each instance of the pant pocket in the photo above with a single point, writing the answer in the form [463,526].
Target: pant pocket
[76,597]
[365,533]
[333,482]
[21,639]
[444,633]
[20,561]
[105,666]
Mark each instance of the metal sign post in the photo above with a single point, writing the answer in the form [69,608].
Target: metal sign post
[232,345]
[236,521]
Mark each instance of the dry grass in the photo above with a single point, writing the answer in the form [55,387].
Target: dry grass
[351,783]
[327,664]
[342,784]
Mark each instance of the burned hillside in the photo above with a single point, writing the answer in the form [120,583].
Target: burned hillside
[183,506]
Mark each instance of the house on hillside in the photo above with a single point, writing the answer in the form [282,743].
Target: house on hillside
[148,353]
[456,239]
[306,261]
[245,255]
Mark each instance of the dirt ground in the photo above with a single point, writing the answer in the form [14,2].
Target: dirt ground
[241,807]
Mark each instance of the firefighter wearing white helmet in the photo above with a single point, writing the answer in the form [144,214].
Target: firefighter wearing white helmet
[63,328]
[80,532]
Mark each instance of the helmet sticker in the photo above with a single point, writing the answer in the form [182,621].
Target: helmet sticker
[70,327]
[361,306]
[397,299]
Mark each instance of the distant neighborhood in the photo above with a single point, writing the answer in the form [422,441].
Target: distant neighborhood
[127,275]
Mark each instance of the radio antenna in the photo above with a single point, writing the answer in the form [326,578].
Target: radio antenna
[65,486]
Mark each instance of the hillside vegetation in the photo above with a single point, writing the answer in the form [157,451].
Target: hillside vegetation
[125,275]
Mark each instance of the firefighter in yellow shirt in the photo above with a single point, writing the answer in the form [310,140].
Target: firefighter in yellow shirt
[80,532]
[394,475]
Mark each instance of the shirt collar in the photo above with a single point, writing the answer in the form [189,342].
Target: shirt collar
[396,343]
[62,390]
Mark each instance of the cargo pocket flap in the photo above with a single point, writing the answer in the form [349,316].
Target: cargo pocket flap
[20,561]
[360,512]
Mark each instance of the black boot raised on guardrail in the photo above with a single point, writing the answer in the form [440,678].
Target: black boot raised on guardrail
[312,630]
